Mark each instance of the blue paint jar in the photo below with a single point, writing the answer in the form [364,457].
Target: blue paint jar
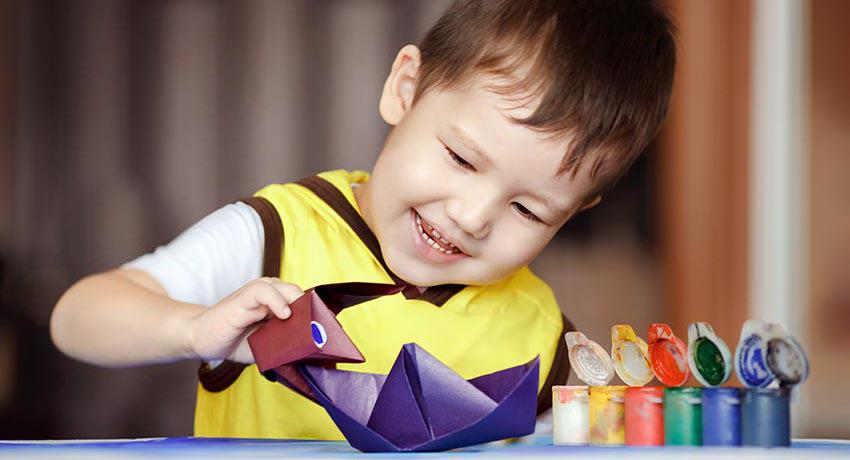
[766,417]
[721,417]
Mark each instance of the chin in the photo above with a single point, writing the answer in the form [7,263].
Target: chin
[414,277]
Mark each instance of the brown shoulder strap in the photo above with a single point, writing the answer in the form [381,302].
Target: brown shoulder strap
[559,371]
[222,376]
[273,234]
[437,295]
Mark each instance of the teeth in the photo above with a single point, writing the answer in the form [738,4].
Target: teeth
[427,238]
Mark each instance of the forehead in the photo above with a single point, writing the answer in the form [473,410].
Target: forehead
[522,156]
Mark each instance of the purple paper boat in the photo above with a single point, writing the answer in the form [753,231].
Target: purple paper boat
[423,405]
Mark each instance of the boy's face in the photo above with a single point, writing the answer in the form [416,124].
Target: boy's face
[455,168]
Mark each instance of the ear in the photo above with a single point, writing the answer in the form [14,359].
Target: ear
[591,202]
[397,96]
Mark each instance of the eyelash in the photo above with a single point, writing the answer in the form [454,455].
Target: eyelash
[527,214]
[523,211]
[460,161]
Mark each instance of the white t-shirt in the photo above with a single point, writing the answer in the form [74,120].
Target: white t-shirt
[211,259]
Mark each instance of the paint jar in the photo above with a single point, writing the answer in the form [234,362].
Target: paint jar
[644,420]
[607,415]
[683,416]
[569,415]
[721,417]
[766,417]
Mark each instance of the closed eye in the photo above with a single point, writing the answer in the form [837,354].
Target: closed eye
[459,160]
[525,213]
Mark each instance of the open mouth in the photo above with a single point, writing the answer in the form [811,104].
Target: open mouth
[433,237]
[430,243]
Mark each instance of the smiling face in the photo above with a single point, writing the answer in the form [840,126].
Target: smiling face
[460,193]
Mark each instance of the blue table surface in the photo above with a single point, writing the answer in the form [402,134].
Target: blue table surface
[532,446]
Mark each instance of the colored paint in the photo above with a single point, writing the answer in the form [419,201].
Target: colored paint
[683,416]
[766,417]
[589,360]
[607,415]
[751,355]
[644,419]
[787,360]
[570,418]
[667,355]
[709,362]
[721,416]
[629,354]
[708,355]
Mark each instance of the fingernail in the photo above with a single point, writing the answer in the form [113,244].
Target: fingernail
[287,312]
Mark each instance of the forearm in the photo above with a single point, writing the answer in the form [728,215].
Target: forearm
[113,319]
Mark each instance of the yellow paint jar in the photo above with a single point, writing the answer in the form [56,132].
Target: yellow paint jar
[607,415]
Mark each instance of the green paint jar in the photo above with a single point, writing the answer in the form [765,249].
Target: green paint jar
[683,416]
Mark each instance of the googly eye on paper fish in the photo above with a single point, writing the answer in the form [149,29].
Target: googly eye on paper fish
[320,337]
[708,355]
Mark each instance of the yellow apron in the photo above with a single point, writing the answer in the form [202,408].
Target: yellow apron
[315,235]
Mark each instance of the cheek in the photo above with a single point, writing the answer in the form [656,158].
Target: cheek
[518,246]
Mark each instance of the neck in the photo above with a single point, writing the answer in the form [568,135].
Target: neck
[361,196]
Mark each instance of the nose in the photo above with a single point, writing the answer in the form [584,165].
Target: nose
[473,214]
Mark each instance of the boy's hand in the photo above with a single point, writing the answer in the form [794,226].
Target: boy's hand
[221,331]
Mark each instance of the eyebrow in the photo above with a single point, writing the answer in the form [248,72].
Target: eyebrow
[470,143]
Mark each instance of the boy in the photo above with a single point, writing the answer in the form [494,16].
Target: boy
[513,117]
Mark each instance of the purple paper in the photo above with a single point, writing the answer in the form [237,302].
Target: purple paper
[423,405]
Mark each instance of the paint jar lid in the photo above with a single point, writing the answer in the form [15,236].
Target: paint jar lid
[787,360]
[668,355]
[630,356]
[751,355]
[766,353]
[708,355]
[589,360]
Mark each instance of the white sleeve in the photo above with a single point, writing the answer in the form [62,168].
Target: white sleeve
[211,259]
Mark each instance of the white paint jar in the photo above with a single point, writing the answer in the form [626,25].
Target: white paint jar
[570,416]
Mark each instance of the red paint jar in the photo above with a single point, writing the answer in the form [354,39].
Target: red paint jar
[644,416]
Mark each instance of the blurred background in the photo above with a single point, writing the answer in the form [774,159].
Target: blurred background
[123,122]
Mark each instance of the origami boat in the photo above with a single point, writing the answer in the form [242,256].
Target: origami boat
[423,405]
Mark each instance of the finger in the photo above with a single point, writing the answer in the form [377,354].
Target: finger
[262,293]
[280,309]
[290,292]
[247,317]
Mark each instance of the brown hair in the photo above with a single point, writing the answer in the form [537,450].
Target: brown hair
[601,70]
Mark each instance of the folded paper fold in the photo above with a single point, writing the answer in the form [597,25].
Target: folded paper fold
[312,333]
[423,405]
